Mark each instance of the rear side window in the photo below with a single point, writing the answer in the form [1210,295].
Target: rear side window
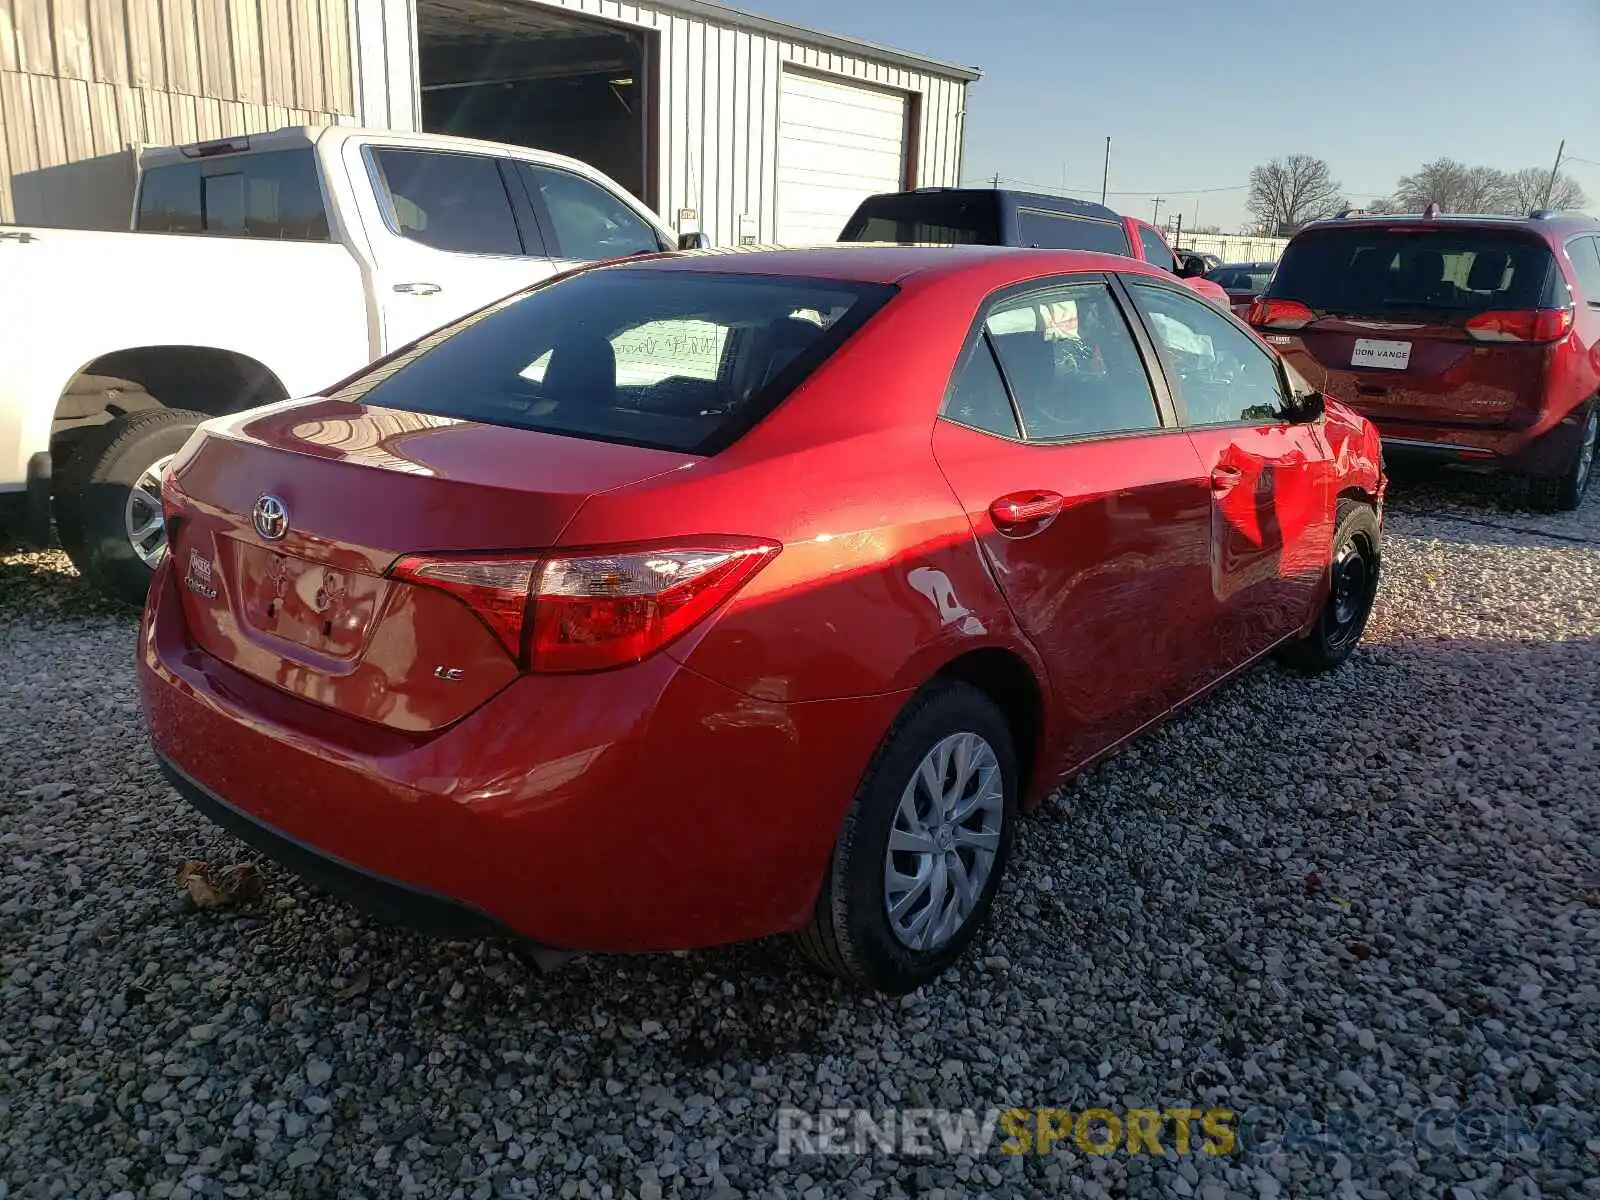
[675,360]
[584,221]
[270,195]
[454,202]
[1585,255]
[978,394]
[1155,250]
[1442,273]
[1059,231]
[926,219]
[1072,363]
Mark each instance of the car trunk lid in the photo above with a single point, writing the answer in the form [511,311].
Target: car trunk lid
[288,520]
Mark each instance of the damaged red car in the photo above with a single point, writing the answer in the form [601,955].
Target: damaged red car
[692,599]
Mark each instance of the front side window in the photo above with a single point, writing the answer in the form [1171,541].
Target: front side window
[270,195]
[1062,231]
[582,220]
[1072,363]
[452,202]
[1221,374]
[1156,252]
[677,360]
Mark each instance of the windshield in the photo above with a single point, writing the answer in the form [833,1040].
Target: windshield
[931,218]
[1438,273]
[674,360]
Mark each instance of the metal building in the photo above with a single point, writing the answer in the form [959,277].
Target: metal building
[749,129]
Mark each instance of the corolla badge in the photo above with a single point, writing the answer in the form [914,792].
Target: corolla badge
[270,517]
[198,578]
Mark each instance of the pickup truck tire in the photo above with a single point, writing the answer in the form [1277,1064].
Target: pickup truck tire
[93,501]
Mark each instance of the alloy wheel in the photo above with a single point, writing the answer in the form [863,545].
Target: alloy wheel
[943,843]
[142,519]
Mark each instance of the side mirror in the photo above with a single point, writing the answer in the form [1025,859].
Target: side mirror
[693,241]
[1191,268]
[1309,407]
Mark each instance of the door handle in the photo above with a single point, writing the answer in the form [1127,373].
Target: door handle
[1224,479]
[417,289]
[1023,514]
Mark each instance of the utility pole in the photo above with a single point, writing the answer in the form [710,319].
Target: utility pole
[1551,185]
[1177,238]
[997,181]
[1155,217]
[1105,177]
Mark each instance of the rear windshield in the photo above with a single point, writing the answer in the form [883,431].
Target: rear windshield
[674,360]
[1435,272]
[929,219]
[271,195]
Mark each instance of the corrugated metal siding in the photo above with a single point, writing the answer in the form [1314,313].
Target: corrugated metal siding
[85,78]
[718,116]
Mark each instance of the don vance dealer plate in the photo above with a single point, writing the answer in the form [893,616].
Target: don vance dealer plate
[1389,356]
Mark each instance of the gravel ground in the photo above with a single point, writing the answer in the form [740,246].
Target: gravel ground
[1374,893]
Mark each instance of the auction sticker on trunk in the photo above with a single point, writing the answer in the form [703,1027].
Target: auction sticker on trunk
[1389,356]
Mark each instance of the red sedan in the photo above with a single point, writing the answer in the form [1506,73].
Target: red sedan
[690,599]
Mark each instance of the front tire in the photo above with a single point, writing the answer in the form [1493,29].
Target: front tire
[924,845]
[108,503]
[1356,562]
[1564,492]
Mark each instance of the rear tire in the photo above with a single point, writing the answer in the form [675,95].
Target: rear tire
[1356,563]
[953,835]
[1564,492]
[106,497]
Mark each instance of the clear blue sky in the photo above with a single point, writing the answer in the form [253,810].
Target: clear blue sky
[1376,87]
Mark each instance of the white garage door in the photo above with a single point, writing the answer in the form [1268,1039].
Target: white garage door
[837,145]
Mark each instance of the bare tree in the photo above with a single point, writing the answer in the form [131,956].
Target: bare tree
[1287,193]
[1442,181]
[1525,191]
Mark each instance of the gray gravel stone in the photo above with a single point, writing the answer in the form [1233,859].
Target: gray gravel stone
[1378,889]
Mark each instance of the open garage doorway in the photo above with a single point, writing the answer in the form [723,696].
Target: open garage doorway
[533,75]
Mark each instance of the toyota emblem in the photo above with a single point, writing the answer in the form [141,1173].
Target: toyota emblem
[271,518]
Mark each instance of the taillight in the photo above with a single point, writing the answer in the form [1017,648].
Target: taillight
[494,588]
[595,609]
[1279,314]
[1531,325]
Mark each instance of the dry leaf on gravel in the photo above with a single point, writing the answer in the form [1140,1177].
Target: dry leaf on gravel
[206,886]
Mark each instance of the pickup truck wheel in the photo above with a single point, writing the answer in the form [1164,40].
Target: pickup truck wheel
[1564,492]
[108,504]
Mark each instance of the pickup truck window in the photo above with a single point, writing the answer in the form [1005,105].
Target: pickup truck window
[453,202]
[269,195]
[1155,250]
[1062,231]
[582,220]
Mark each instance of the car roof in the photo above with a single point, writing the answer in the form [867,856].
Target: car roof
[868,262]
[1548,224]
[1039,200]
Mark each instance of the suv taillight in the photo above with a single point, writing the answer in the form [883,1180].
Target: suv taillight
[1279,314]
[1531,325]
[594,609]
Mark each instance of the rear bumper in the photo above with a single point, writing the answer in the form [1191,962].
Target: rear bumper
[1542,450]
[642,809]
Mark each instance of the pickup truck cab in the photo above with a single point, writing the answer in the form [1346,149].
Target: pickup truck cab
[1001,217]
[257,269]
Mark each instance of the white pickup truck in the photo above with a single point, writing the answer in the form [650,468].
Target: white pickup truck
[257,269]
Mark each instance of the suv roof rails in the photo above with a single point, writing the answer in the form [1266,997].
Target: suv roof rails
[1545,214]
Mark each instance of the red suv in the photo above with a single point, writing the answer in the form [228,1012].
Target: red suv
[697,598]
[1474,339]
